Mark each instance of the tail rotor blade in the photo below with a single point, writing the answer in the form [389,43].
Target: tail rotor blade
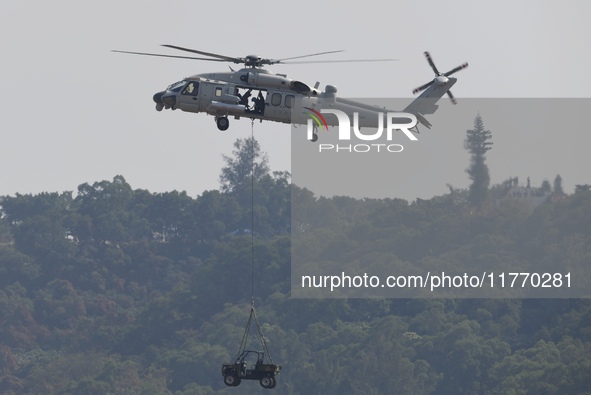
[456,69]
[431,63]
[423,87]
[453,100]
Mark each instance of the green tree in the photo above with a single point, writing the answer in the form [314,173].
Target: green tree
[105,213]
[558,185]
[478,143]
[20,207]
[247,160]
[545,187]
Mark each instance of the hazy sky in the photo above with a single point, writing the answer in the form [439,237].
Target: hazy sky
[74,112]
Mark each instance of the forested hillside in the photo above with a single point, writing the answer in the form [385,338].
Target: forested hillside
[115,290]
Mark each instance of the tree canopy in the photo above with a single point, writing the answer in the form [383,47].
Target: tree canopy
[119,290]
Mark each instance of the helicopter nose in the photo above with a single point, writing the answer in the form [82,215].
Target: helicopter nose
[164,100]
[169,101]
[158,97]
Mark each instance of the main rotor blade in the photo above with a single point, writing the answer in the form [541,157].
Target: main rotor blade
[313,54]
[340,61]
[168,56]
[431,63]
[213,55]
[420,88]
[453,100]
[456,69]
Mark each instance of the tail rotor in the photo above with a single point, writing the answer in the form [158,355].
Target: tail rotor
[440,78]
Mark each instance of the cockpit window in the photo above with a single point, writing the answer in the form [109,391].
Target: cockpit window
[177,86]
[191,89]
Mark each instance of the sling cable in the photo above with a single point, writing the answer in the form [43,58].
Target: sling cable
[251,364]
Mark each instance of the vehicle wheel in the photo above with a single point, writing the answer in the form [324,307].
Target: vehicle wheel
[267,382]
[274,383]
[223,123]
[314,138]
[231,380]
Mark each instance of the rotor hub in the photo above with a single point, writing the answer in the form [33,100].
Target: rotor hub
[252,60]
[441,80]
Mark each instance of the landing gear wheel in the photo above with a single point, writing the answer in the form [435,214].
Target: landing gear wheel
[223,123]
[268,382]
[314,138]
[231,380]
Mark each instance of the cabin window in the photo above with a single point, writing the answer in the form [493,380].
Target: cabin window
[218,92]
[276,99]
[289,99]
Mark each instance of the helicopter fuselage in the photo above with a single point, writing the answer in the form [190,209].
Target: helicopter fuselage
[256,93]
[259,94]
[250,92]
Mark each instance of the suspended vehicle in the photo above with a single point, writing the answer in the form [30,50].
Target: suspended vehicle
[256,93]
[250,364]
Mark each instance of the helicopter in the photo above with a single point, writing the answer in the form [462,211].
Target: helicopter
[256,93]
